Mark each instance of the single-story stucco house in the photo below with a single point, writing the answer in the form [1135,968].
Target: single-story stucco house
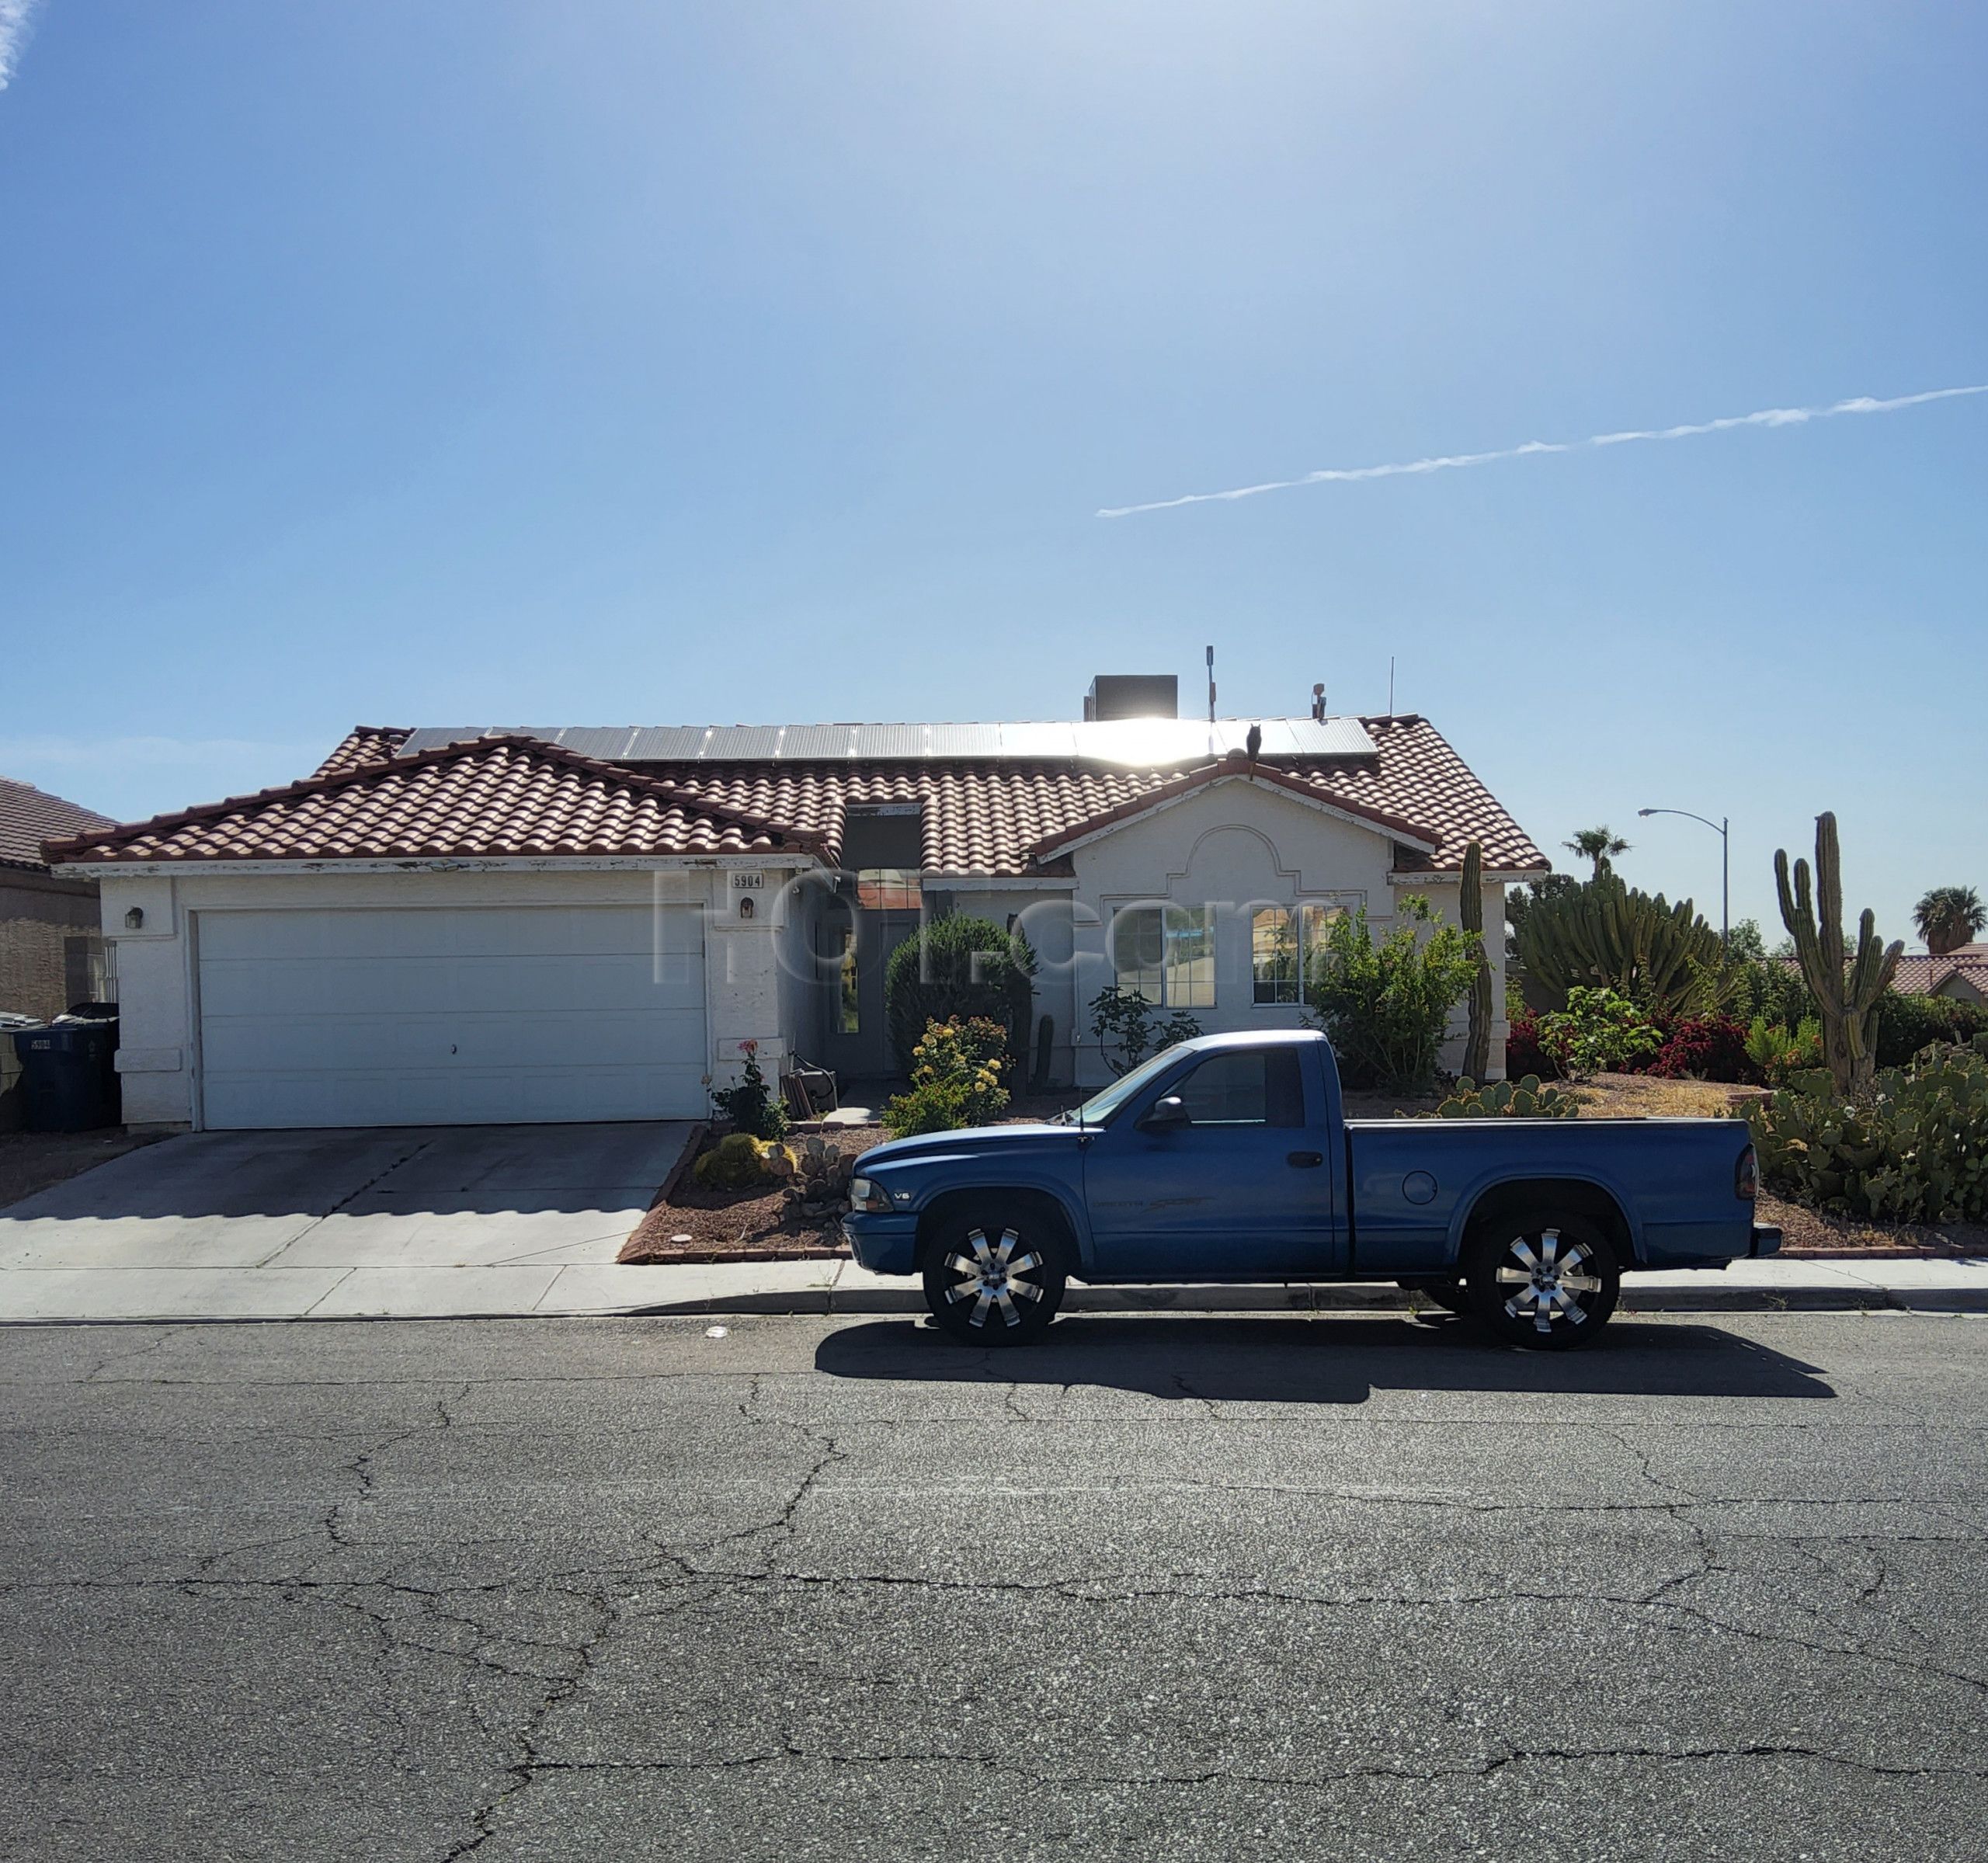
[51,951]
[462,925]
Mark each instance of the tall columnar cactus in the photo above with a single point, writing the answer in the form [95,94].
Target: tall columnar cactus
[1477,1045]
[1847,990]
[1605,933]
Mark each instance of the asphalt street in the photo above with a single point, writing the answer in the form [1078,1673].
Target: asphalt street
[1184,1587]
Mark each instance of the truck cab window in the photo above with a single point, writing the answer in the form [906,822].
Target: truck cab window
[1248,1086]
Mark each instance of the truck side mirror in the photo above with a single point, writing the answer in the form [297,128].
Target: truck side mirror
[1168,1114]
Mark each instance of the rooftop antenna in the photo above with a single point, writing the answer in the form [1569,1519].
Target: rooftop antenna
[1391,685]
[1211,652]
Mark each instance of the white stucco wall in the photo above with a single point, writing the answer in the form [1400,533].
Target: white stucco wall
[1238,844]
[746,996]
[1044,919]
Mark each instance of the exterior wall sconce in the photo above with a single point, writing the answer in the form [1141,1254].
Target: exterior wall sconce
[746,907]
[134,919]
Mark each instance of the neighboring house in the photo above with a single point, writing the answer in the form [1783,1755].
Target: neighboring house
[51,949]
[1962,973]
[458,925]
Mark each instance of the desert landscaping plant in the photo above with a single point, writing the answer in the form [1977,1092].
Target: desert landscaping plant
[1386,1005]
[751,1107]
[739,1162]
[1470,913]
[958,967]
[1603,933]
[1914,1147]
[1522,1099]
[955,1079]
[1600,1032]
[1847,989]
[1129,1027]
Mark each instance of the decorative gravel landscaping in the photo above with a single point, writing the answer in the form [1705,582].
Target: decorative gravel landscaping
[692,1224]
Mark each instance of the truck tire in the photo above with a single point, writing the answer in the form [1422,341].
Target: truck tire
[1543,1281]
[995,1275]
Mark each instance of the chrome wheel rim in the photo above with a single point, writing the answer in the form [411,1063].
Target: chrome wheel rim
[1001,1278]
[1551,1280]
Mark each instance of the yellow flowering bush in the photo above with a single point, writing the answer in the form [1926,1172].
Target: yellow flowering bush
[956,1072]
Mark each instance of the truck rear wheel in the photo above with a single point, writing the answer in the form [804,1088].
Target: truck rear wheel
[995,1275]
[1543,1281]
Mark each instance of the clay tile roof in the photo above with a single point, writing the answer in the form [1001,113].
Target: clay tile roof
[998,819]
[992,817]
[364,744]
[1922,975]
[495,797]
[29,816]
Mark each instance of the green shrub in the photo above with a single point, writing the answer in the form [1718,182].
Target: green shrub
[1525,1098]
[1906,1024]
[1913,1149]
[738,1162]
[1123,1020]
[958,967]
[1600,1032]
[751,1107]
[1387,1006]
[1781,1052]
[955,1079]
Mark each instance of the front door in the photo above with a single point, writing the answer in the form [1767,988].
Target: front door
[859,942]
[1242,1191]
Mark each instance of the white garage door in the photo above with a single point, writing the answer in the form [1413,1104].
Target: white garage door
[451,1016]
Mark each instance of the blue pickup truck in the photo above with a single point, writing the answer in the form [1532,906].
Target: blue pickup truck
[1229,1158]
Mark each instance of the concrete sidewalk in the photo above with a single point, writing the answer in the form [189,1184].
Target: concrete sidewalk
[428,1292]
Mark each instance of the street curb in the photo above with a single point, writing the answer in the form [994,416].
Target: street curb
[1203,1299]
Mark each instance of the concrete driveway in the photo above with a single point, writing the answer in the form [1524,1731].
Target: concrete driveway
[458,1219]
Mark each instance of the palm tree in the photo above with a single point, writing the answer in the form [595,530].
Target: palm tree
[1948,916]
[1600,844]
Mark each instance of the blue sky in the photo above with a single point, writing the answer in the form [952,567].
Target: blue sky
[420,363]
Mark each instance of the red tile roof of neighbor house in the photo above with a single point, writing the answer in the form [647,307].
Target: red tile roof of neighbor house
[1922,975]
[29,816]
[986,817]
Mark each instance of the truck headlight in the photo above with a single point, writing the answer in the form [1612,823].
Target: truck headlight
[867,1194]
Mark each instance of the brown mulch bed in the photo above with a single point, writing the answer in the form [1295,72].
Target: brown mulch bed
[693,1225]
[33,1161]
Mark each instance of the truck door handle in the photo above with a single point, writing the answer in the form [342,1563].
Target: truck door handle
[1304,1160]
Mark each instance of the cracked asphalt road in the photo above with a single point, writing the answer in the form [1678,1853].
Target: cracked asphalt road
[1193,1586]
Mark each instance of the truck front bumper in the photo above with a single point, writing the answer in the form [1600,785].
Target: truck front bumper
[1766,1241]
[885,1244]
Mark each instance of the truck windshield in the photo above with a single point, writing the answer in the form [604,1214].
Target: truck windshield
[1098,1110]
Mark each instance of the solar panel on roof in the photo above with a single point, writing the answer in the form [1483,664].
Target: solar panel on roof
[1132,743]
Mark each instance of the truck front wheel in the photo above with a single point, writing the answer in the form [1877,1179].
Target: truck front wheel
[995,1275]
[1543,1281]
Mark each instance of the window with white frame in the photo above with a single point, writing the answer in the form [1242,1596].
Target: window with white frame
[1286,947]
[1166,953]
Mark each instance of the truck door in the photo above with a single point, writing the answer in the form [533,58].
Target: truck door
[1241,1189]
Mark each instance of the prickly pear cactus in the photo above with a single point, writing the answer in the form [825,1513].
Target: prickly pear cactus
[1525,1098]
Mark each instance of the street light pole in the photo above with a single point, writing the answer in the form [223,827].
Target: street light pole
[1722,827]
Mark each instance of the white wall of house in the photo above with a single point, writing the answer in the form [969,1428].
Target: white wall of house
[1236,845]
[1045,917]
[157,960]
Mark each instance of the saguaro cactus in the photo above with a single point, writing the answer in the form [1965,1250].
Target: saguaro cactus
[1847,990]
[1470,910]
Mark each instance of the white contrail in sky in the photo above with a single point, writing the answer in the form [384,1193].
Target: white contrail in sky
[1766,417]
[13,34]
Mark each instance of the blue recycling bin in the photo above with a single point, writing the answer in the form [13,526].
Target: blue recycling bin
[69,1075]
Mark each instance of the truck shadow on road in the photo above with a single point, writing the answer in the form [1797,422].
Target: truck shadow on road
[1276,1360]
